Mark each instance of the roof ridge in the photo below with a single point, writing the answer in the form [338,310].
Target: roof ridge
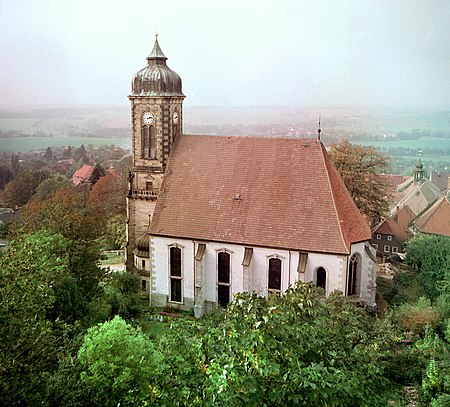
[323,152]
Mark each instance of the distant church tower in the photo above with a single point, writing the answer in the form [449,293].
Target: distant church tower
[156,119]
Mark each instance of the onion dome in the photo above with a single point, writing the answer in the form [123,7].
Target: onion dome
[156,79]
[419,165]
[142,246]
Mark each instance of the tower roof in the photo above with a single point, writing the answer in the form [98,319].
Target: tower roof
[156,79]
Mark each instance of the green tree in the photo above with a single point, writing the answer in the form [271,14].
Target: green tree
[118,363]
[97,173]
[429,256]
[359,167]
[300,349]
[50,185]
[30,343]
[19,191]
[67,212]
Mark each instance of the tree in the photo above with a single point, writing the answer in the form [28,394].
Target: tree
[359,167]
[6,175]
[48,155]
[31,342]
[97,173]
[19,191]
[429,256]
[67,212]
[80,154]
[108,196]
[118,363]
[300,349]
[50,185]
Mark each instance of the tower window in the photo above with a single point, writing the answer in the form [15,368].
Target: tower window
[152,142]
[148,142]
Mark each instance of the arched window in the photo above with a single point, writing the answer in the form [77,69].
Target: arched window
[321,278]
[274,285]
[152,143]
[175,274]
[353,277]
[223,278]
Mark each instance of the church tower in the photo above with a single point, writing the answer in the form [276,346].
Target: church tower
[156,120]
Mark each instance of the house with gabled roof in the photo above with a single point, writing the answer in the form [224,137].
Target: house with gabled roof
[82,175]
[418,193]
[435,220]
[233,214]
[390,235]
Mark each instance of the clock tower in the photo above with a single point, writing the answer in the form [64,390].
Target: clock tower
[156,120]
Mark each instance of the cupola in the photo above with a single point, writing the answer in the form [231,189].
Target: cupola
[156,79]
[142,246]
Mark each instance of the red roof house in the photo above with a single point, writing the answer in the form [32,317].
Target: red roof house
[82,175]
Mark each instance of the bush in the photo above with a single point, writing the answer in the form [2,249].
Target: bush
[415,318]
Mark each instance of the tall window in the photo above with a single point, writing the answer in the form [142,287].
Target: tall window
[145,143]
[148,142]
[223,278]
[274,276]
[175,274]
[353,276]
[321,278]
[152,142]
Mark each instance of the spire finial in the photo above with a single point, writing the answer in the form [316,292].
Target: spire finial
[319,130]
[156,31]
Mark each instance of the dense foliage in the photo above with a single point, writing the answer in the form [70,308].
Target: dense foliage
[359,167]
[429,256]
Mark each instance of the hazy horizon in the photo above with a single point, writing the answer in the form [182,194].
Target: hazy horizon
[324,54]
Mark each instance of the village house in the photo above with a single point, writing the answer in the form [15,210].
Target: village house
[212,216]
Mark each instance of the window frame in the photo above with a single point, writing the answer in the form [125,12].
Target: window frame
[174,278]
[220,284]
[378,236]
[386,248]
[316,275]
[389,238]
[270,260]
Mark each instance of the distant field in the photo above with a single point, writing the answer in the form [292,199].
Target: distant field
[420,144]
[25,144]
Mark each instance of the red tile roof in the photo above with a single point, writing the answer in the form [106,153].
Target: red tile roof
[398,225]
[269,192]
[435,220]
[82,174]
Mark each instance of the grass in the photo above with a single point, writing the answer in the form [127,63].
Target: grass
[25,144]
[112,258]
[424,143]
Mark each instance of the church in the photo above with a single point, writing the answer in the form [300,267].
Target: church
[211,216]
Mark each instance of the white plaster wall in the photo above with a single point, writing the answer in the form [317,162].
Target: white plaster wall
[368,274]
[335,266]
[159,247]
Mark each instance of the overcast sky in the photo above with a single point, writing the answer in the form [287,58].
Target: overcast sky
[355,53]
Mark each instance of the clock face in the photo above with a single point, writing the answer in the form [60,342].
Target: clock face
[175,118]
[148,118]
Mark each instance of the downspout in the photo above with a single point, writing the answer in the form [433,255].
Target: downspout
[150,273]
[289,275]
[195,272]
[346,278]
